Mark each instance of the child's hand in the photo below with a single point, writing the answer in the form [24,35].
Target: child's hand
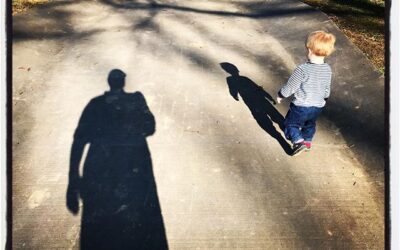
[278,99]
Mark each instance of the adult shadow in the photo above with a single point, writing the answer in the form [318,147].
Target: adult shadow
[258,101]
[121,209]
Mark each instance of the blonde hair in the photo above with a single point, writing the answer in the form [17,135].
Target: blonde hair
[321,43]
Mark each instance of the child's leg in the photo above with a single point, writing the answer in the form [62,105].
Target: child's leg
[309,127]
[308,130]
[294,121]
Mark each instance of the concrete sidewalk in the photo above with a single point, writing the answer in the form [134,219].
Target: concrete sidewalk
[222,180]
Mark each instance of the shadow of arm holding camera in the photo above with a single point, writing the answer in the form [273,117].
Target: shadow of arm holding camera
[144,114]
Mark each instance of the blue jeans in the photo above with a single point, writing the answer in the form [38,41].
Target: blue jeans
[300,122]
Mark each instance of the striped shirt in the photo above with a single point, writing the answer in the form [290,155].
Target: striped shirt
[310,83]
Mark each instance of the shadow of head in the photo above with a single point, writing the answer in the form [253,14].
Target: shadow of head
[230,68]
[116,79]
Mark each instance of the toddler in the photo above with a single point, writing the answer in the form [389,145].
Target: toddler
[310,85]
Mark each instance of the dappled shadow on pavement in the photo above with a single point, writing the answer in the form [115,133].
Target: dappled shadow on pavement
[273,10]
[121,209]
[52,22]
[110,207]
[258,101]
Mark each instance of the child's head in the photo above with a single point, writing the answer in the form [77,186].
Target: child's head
[321,43]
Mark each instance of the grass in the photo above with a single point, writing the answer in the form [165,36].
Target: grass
[362,21]
[22,5]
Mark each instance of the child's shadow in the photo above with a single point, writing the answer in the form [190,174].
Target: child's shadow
[258,101]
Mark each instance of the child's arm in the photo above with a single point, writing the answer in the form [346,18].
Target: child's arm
[292,85]
[328,89]
[280,97]
[327,92]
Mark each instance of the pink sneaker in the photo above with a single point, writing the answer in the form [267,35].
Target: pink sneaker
[308,145]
